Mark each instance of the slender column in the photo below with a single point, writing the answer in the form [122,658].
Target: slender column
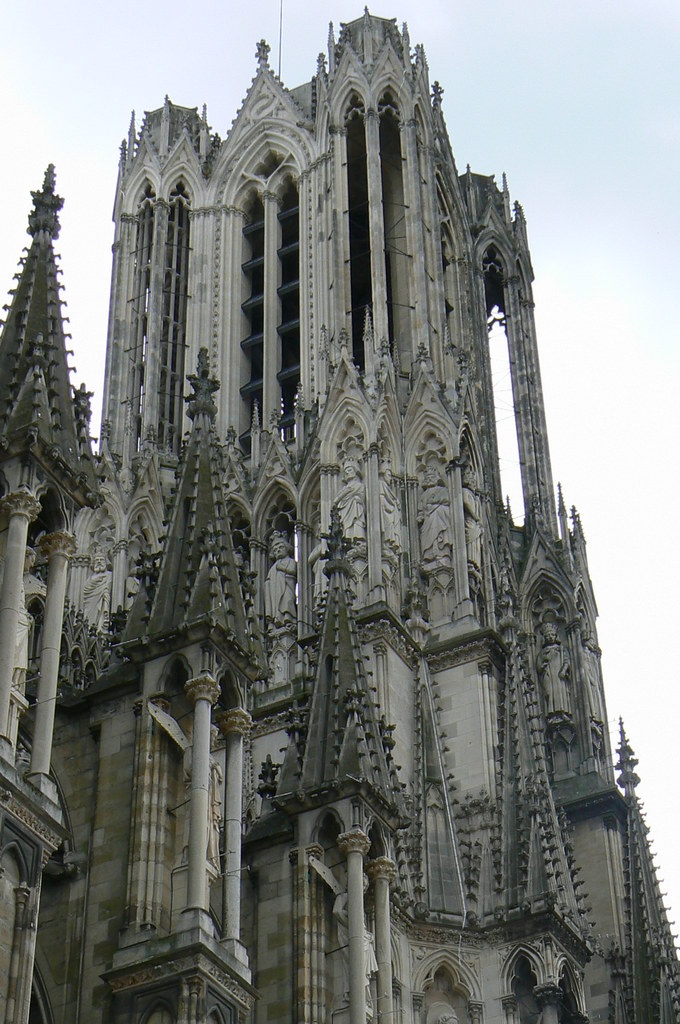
[375,588]
[354,845]
[383,871]
[203,691]
[271,396]
[58,547]
[376,224]
[462,585]
[547,997]
[22,507]
[235,726]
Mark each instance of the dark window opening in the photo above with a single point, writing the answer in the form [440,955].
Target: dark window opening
[173,323]
[361,296]
[141,306]
[288,375]
[397,258]
[253,311]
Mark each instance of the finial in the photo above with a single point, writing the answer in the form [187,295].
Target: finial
[204,386]
[368,330]
[46,206]
[626,764]
[437,93]
[335,539]
[262,53]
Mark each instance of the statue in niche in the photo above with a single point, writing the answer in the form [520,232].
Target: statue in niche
[390,509]
[554,670]
[215,793]
[351,502]
[280,605]
[434,518]
[590,656]
[97,593]
[472,514]
[30,587]
[341,917]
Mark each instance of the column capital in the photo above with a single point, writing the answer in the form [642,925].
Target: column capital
[202,687]
[236,720]
[58,543]
[475,1011]
[21,503]
[382,867]
[354,841]
[547,995]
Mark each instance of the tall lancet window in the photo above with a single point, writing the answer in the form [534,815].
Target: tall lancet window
[288,375]
[502,381]
[394,225]
[361,295]
[173,323]
[270,368]
[141,304]
[252,345]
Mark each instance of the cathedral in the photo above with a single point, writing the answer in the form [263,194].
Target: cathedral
[298,724]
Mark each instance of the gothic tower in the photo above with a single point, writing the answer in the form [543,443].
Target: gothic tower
[330,739]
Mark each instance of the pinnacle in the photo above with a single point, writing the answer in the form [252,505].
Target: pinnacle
[46,207]
[204,386]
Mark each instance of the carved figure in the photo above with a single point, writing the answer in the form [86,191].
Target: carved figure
[590,655]
[97,593]
[213,852]
[351,502]
[554,670]
[30,586]
[390,511]
[279,586]
[473,518]
[434,517]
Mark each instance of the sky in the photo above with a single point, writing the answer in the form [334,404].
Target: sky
[579,104]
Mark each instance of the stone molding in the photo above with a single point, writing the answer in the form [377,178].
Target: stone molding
[21,503]
[202,687]
[354,841]
[236,720]
[58,543]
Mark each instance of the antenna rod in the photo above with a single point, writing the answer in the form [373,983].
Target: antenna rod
[280,33]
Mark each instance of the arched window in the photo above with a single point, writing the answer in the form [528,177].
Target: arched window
[397,259]
[270,370]
[141,300]
[361,295]
[174,322]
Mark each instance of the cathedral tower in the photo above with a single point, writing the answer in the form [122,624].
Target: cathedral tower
[332,740]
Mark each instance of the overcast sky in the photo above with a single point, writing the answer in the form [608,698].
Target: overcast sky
[579,104]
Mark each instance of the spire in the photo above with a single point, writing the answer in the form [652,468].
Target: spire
[650,956]
[39,411]
[626,764]
[195,589]
[340,744]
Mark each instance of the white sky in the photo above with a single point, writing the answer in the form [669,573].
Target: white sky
[579,104]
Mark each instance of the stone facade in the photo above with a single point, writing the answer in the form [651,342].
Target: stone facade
[297,723]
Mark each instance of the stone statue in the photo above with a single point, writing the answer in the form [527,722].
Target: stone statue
[215,820]
[390,510]
[351,502]
[279,587]
[554,670]
[473,518]
[30,586]
[434,517]
[97,593]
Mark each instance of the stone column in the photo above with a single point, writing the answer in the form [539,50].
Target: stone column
[271,393]
[547,997]
[354,845]
[376,225]
[203,691]
[373,533]
[235,726]
[383,871]
[58,548]
[22,507]
[463,602]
